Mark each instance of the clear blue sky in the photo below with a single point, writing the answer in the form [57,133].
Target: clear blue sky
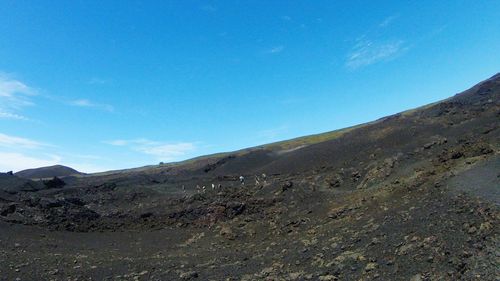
[101,85]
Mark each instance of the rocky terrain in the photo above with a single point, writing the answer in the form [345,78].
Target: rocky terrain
[413,196]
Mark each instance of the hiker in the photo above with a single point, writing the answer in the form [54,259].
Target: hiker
[242,180]
[263,178]
[213,186]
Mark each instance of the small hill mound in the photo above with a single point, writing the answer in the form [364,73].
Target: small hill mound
[12,184]
[48,172]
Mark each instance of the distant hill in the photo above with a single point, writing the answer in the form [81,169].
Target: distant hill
[48,172]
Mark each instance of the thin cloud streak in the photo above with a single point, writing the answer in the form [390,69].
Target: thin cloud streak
[10,88]
[13,116]
[161,150]
[373,47]
[387,21]
[367,52]
[14,142]
[14,95]
[89,104]
[17,153]
[276,49]
[11,161]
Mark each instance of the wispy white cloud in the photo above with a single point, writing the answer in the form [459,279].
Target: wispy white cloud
[90,104]
[161,150]
[375,46]
[14,95]
[8,115]
[276,49]
[11,88]
[18,142]
[387,21]
[82,103]
[367,52]
[11,161]
[17,153]
[118,142]
[17,161]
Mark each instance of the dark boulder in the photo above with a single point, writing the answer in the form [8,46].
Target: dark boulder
[54,183]
[287,185]
[46,203]
[75,201]
[7,209]
[146,215]
[234,208]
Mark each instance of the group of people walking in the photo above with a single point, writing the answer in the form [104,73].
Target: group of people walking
[262,179]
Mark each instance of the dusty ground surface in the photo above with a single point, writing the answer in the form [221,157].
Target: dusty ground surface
[414,196]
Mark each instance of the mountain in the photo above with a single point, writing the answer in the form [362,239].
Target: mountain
[412,196]
[48,172]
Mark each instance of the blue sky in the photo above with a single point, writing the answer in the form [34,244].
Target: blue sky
[102,85]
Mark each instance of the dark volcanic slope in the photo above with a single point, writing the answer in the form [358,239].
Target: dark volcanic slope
[47,172]
[457,116]
[414,196]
